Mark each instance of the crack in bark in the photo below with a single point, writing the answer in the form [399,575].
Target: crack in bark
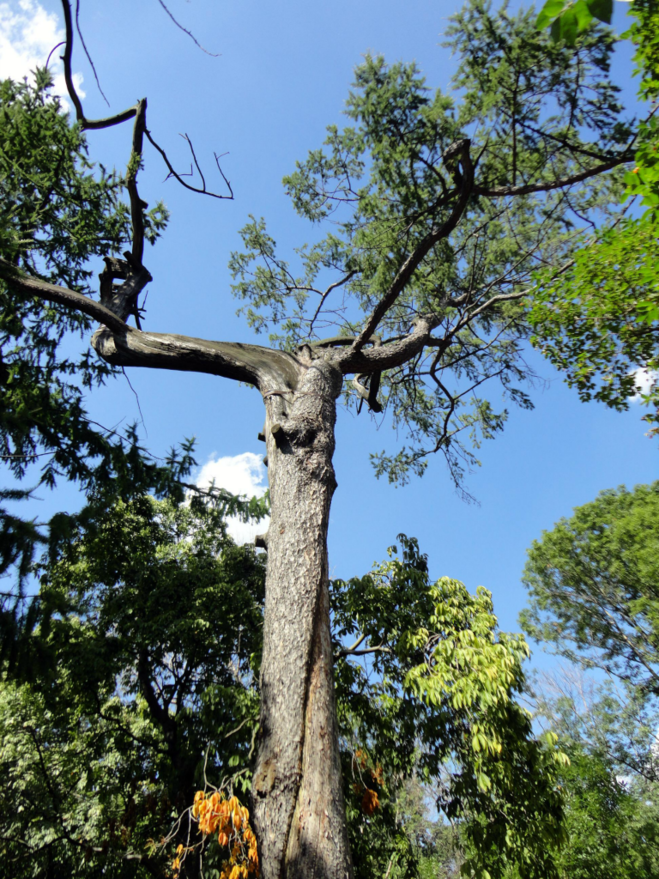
[303,738]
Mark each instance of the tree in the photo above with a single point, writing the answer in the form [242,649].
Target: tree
[438,703]
[592,581]
[610,783]
[593,600]
[150,619]
[445,211]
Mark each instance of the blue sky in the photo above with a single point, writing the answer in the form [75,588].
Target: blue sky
[282,75]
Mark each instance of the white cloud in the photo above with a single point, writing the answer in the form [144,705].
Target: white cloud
[28,33]
[645,379]
[241,474]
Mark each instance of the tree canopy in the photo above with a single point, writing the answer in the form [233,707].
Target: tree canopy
[599,322]
[592,581]
[441,208]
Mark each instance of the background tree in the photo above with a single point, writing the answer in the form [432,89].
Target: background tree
[150,619]
[591,583]
[57,213]
[448,211]
[610,785]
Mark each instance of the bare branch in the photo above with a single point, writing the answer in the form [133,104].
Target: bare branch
[369,394]
[186,31]
[61,295]
[238,728]
[54,49]
[89,57]
[330,342]
[137,206]
[379,649]
[327,292]
[359,641]
[178,177]
[68,77]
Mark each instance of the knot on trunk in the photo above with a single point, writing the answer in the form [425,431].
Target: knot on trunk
[296,433]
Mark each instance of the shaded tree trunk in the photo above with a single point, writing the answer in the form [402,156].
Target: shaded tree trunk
[299,812]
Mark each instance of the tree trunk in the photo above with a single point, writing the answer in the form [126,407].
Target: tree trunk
[299,812]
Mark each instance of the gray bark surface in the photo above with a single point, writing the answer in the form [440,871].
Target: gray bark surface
[299,813]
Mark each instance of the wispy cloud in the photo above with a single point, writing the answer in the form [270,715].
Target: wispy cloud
[28,33]
[241,474]
[645,379]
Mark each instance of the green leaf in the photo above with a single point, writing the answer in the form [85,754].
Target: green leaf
[551,10]
[602,10]
[555,30]
[584,15]
[569,26]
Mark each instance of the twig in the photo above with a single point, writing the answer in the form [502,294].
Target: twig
[54,49]
[189,33]
[176,175]
[89,57]
[136,398]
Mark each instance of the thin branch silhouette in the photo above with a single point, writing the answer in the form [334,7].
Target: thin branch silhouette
[189,33]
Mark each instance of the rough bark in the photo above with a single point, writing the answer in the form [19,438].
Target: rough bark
[298,805]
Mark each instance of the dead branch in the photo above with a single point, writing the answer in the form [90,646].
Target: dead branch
[177,176]
[186,31]
[118,118]
[86,51]
[61,295]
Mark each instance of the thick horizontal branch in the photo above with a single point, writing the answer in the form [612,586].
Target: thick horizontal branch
[62,295]
[121,345]
[268,369]
[388,355]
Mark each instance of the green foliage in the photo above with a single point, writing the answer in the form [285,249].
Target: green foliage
[593,600]
[569,20]
[150,618]
[599,322]
[57,212]
[611,824]
[149,624]
[610,786]
[386,182]
[591,583]
[440,691]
